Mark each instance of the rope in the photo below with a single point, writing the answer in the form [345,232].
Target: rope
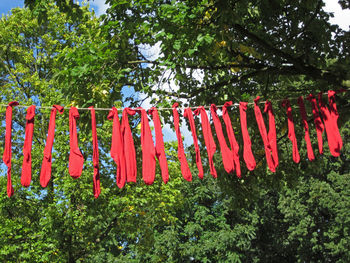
[161,109]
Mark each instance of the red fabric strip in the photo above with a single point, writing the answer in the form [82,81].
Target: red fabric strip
[272,137]
[185,170]
[318,122]
[310,152]
[26,176]
[129,147]
[76,159]
[160,151]
[45,173]
[189,115]
[263,133]
[226,154]
[247,145]
[148,150]
[95,155]
[8,146]
[117,151]
[291,130]
[334,114]
[330,118]
[231,137]
[208,138]
[262,128]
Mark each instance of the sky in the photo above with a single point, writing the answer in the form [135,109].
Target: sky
[6,5]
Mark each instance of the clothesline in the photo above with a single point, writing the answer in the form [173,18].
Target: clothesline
[159,109]
[123,150]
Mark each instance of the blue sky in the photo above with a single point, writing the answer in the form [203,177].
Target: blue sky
[6,5]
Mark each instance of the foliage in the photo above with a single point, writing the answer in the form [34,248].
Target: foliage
[64,222]
[40,8]
[239,49]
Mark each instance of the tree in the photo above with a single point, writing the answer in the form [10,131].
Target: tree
[63,222]
[240,49]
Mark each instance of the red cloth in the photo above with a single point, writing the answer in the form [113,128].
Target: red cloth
[148,151]
[291,131]
[95,157]
[247,145]
[330,118]
[261,124]
[185,170]
[160,151]
[117,151]
[76,159]
[26,176]
[189,115]
[318,122]
[208,138]
[226,154]
[272,137]
[45,173]
[129,147]
[310,152]
[231,137]
[334,114]
[8,146]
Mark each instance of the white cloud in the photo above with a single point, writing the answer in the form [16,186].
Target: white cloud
[99,6]
[341,17]
[152,53]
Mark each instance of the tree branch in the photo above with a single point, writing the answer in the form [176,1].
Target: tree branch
[299,65]
[289,58]
[206,67]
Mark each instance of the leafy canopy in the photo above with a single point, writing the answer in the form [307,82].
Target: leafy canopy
[239,49]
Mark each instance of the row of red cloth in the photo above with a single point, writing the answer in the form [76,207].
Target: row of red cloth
[123,149]
[230,155]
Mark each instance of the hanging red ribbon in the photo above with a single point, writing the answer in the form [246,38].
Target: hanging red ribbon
[318,122]
[148,151]
[129,147]
[310,152]
[272,137]
[26,176]
[117,151]
[8,146]
[208,138]
[330,118]
[262,128]
[247,145]
[45,173]
[76,159]
[95,155]
[123,149]
[291,131]
[334,114]
[185,170]
[160,151]
[226,154]
[189,115]
[231,137]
